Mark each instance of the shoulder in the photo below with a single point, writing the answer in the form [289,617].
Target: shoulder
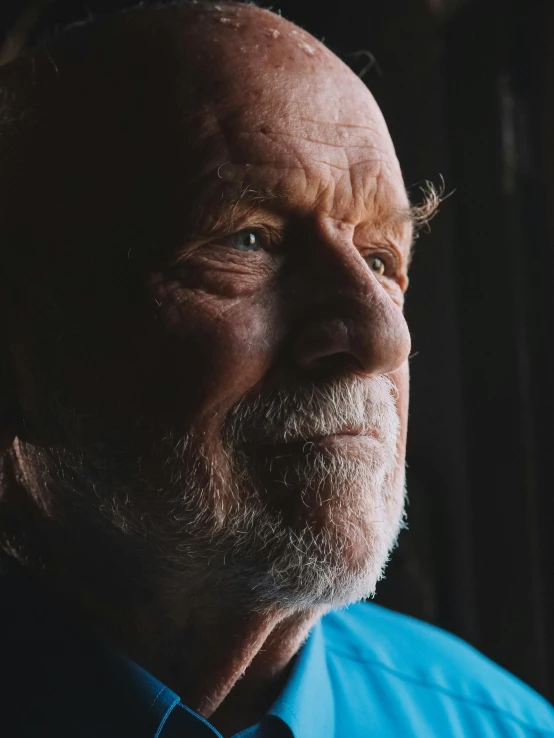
[437,676]
[56,679]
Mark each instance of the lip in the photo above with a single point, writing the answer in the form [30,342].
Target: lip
[345,439]
[333,440]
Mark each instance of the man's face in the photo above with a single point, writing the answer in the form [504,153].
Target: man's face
[218,355]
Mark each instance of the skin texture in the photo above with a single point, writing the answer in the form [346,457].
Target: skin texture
[130,300]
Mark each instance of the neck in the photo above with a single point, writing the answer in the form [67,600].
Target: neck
[239,664]
[225,660]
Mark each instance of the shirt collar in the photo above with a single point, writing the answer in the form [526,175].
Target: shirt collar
[141,694]
[306,703]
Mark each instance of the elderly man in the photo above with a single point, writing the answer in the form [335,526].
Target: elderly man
[206,239]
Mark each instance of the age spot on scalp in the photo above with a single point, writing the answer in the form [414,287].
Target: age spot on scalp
[309,50]
[229,22]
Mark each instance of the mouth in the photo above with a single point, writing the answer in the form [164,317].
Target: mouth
[343,439]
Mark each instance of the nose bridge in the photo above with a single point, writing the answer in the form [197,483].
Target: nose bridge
[328,258]
[335,280]
[346,316]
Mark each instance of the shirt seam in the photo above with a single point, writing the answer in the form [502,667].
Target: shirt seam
[157,697]
[453,695]
[292,713]
[168,711]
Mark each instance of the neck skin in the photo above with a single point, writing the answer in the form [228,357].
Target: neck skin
[256,649]
[226,661]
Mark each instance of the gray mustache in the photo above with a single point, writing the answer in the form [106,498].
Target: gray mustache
[356,405]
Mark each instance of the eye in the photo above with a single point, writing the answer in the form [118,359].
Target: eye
[245,241]
[377,265]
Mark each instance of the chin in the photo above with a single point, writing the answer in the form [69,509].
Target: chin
[323,531]
[326,572]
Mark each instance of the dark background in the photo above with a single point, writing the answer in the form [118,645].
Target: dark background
[468,90]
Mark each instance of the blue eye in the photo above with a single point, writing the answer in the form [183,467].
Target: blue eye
[245,241]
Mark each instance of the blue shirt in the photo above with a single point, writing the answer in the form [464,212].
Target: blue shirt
[364,671]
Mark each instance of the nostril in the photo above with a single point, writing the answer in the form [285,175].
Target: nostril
[324,345]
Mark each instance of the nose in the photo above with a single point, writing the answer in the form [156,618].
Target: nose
[351,322]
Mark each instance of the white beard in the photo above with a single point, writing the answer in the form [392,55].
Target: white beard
[315,528]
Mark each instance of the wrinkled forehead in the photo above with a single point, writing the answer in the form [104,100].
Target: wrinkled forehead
[307,132]
[276,83]
[324,104]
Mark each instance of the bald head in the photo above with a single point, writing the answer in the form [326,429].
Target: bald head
[206,42]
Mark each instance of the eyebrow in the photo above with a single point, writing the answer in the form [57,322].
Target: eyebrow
[418,216]
[230,201]
[397,217]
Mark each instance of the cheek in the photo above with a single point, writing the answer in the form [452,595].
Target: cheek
[215,352]
[395,493]
[401,378]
